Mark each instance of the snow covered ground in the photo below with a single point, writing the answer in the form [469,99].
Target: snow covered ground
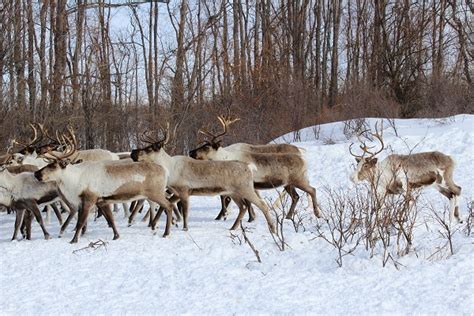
[204,270]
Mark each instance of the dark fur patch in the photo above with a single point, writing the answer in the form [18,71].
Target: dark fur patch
[49,196]
[395,187]
[447,193]
[269,183]
[22,168]
[206,191]
[426,179]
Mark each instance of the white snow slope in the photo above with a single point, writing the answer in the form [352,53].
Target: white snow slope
[203,271]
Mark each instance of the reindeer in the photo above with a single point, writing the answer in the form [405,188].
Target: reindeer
[23,192]
[273,169]
[402,173]
[215,142]
[32,152]
[85,184]
[188,177]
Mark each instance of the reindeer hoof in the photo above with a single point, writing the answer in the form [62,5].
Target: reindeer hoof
[73,241]
[116,237]
[185,229]
[47,237]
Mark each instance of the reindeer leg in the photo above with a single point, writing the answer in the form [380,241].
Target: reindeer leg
[306,187]
[238,220]
[84,210]
[176,209]
[109,217]
[252,197]
[163,202]
[27,224]
[294,199]
[48,214]
[126,212]
[32,207]
[225,201]
[72,212]
[20,213]
[137,206]
[250,210]
[57,213]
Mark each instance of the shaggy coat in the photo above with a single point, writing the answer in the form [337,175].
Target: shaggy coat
[103,182]
[192,177]
[273,170]
[399,173]
[24,192]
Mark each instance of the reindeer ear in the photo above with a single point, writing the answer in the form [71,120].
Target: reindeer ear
[156,146]
[358,159]
[77,161]
[373,161]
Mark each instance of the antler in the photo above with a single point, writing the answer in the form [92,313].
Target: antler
[378,134]
[32,141]
[44,132]
[225,121]
[146,138]
[68,141]
[206,133]
[166,134]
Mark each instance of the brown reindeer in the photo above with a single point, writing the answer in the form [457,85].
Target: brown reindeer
[188,177]
[85,184]
[273,169]
[399,173]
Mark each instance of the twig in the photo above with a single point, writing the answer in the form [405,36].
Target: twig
[94,245]
[255,251]
[191,237]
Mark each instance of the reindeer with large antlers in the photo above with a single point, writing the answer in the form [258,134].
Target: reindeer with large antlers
[276,167]
[399,173]
[31,151]
[85,184]
[188,177]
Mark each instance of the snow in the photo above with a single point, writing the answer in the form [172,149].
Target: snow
[204,270]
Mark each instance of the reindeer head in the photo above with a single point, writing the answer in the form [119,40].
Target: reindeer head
[155,147]
[58,162]
[366,166]
[208,148]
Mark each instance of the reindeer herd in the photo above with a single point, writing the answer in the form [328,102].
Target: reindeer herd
[52,171]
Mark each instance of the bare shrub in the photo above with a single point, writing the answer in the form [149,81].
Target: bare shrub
[354,127]
[299,217]
[341,224]
[278,210]
[446,231]
[316,131]
[383,224]
[469,219]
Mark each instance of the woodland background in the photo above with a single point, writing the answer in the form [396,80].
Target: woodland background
[278,65]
